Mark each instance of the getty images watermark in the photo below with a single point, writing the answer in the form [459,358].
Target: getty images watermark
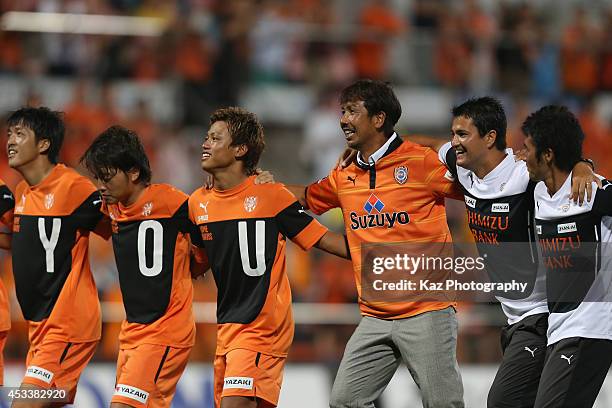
[410,272]
[459,265]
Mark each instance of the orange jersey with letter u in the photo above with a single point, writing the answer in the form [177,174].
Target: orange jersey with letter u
[244,232]
[400,199]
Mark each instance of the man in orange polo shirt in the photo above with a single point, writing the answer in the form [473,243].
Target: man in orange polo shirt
[393,193]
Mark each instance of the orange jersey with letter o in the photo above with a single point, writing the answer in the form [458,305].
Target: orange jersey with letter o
[151,244]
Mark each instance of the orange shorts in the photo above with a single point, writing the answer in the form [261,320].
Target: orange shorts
[247,373]
[2,343]
[57,364]
[147,375]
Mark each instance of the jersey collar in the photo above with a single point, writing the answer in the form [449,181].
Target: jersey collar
[390,145]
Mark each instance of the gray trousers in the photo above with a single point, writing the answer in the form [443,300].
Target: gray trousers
[426,343]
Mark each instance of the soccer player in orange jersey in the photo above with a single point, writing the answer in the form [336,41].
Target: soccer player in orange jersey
[56,209]
[151,242]
[244,228]
[393,193]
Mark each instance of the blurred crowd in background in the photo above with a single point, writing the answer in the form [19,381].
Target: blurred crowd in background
[213,53]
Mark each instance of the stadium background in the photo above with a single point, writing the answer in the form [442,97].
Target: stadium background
[160,67]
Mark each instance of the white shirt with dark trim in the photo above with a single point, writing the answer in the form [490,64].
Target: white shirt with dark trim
[576,243]
[504,198]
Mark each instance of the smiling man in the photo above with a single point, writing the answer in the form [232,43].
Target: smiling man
[497,187]
[394,193]
[56,209]
[244,229]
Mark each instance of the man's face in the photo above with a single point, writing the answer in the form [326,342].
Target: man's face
[217,152]
[469,146]
[357,125]
[21,146]
[536,166]
[115,186]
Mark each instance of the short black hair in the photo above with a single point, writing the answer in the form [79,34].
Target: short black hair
[45,123]
[377,96]
[244,128]
[117,148]
[555,127]
[487,114]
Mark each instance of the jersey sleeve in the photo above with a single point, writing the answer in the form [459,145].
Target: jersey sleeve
[602,203]
[195,233]
[186,224]
[182,217]
[322,196]
[89,213]
[7,204]
[295,223]
[440,180]
[448,156]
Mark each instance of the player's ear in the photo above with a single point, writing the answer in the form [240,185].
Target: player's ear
[490,138]
[133,174]
[241,150]
[549,156]
[378,119]
[43,145]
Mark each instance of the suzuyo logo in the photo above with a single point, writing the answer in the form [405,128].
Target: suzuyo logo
[375,216]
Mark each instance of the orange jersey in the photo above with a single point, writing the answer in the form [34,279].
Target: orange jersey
[7,203]
[244,232]
[151,245]
[53,280]
[399,200]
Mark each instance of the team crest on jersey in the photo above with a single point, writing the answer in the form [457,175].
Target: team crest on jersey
[147,209]
[401,174]
[250,203]
[564,207]
[49,200]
